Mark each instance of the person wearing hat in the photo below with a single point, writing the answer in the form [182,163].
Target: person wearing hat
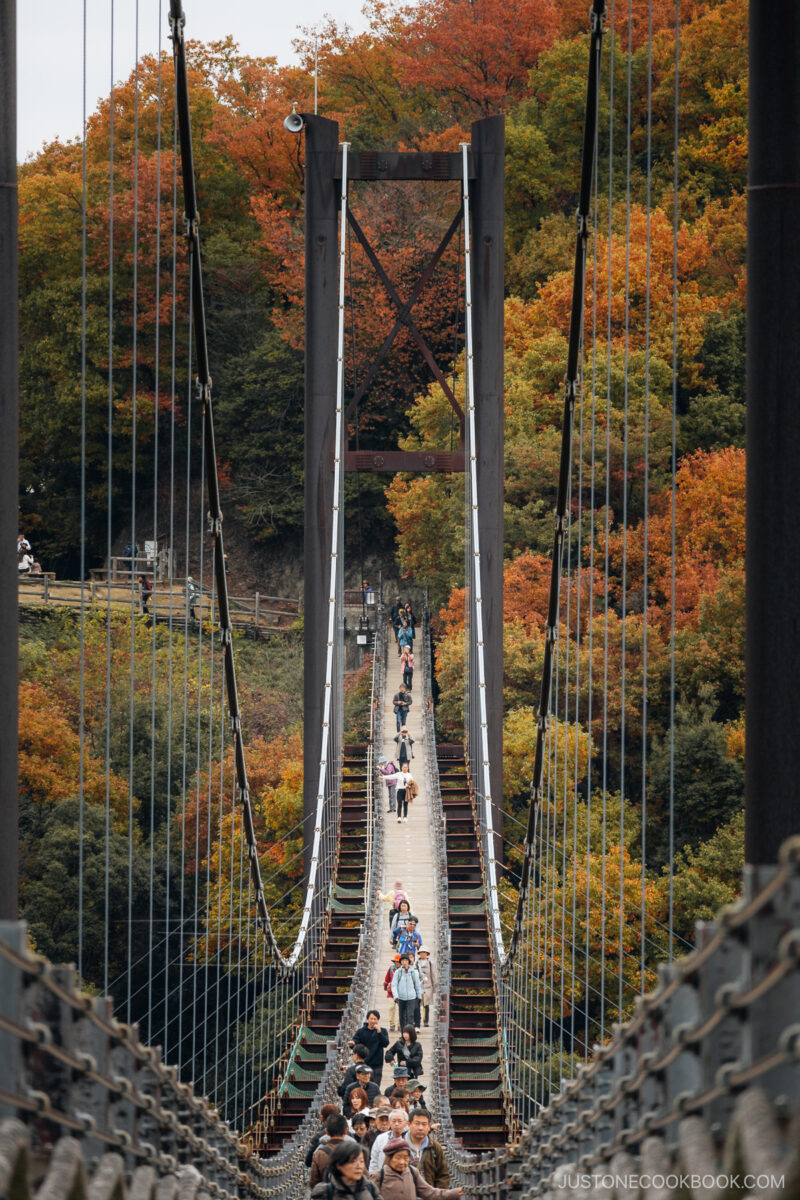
[364,1081]
[346,1177]
[407,990]
[398,1180]
[398,1124]
[400,1077]
[407,1051]
[428,980]
[416,1090]
[380,1123]
[426,1153]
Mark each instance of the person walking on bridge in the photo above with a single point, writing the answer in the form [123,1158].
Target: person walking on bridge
[404,782]
[407,1050]
[405,746]
[401,702]
[398,1180]
[398,1126]
[427,978]
[375,1038]
[407,990]
[337,1131]
[389,770]
[346,1175]
[399,921]
[426,1153]
[407,667]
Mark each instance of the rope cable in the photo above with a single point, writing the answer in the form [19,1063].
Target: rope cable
[587,162]
[294,957]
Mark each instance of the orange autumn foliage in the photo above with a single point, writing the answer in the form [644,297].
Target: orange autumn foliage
[709,536]
[50,756]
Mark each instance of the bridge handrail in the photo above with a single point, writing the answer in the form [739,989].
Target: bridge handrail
[685,1053]
[440,1073]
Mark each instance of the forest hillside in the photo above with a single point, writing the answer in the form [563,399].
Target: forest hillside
[653,593]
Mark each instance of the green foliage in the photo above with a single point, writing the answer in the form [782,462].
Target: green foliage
[50,893]
[706,877]
[708,784]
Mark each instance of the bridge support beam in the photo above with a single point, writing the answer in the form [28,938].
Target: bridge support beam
[9,499]
[773,432]
[488,233]
[321,316]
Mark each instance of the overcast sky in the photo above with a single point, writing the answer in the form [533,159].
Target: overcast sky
[50,47]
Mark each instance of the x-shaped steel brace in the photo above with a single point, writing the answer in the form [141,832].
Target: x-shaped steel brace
[404,318]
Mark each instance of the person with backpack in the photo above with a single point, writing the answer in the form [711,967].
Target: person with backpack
[327,1110]
[400,920]
[407,990]
[400,1181]
[407,1050]
[145,593]
[409,941]
[393,898]
[337,1130]
[347,1177]
[426,1153]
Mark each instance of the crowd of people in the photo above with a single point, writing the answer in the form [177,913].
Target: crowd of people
[381,1145]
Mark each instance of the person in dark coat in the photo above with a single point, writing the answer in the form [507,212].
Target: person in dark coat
[407,1050]
[347,1176]
[375,1038]
[360,1055]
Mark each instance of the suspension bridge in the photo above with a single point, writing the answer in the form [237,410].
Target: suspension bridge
[576,1041]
